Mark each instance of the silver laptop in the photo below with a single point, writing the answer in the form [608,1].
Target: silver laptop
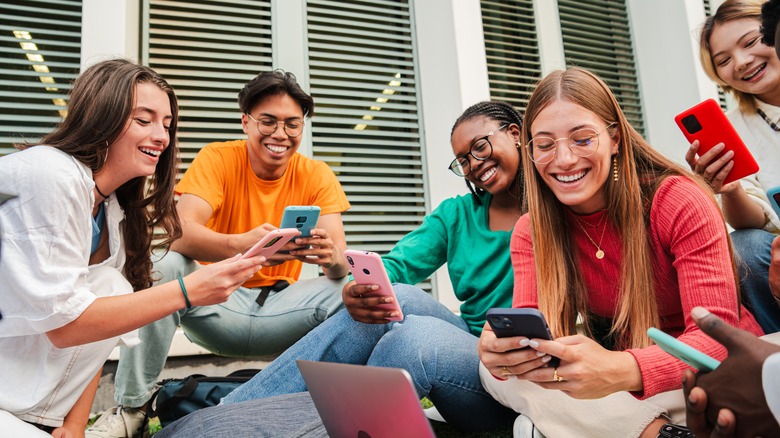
[358,401]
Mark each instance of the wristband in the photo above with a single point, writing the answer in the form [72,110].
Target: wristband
[184,292]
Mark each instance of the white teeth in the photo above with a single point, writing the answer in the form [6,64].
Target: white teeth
[758,70]
[570,178]
[275,148]
[152,152]
[487,175]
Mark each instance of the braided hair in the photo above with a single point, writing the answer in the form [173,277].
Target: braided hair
[493,110]
[770,17]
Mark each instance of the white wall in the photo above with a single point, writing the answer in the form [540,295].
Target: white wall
[453,76]
[109,29]
[671,79]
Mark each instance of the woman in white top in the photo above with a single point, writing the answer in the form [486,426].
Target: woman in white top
[76,242]
[734,57]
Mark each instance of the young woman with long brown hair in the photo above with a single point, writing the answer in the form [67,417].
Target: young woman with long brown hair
[622,237]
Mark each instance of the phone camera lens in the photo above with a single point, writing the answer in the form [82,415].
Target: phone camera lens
[349,259]
[366,271]
[300,219]
[691,124]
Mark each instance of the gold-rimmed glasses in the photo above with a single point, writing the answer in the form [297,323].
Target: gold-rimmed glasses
[481,150]
[269,125]
[582,143]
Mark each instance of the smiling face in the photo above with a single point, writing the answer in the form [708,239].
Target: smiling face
[498,172]
[743,62]
[578,182]
[270,154]
[145,136]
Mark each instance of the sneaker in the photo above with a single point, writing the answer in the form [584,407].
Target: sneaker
[524,428]
[118,422]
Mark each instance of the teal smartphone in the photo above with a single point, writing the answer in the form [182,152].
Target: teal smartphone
[683,351]
[301,217]
[774,199]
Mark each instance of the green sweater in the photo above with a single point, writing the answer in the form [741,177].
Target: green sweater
[457,233]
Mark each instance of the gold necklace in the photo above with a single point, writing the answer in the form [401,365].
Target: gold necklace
[599,251]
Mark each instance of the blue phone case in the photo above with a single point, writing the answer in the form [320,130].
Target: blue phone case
[682,351]
[774,199]
[301,217]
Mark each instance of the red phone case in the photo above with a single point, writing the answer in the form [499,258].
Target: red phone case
[367,268]
[271,242]
[707,123]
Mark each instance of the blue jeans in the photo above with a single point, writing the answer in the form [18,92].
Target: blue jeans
[431,343]
[754,248]
[238,327]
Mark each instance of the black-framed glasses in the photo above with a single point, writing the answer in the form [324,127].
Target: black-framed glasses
[269,125]
[481,150]
[582,143]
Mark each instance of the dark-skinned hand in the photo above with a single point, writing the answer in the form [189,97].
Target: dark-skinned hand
[730,402]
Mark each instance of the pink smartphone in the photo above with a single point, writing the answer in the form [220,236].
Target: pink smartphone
[707,123]
[271,242]
[367,268]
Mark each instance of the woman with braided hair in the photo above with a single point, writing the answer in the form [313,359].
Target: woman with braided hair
[469,233]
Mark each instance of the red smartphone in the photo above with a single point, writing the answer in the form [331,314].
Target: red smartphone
[707,123]
[271,242]
[367,268]
[520,322]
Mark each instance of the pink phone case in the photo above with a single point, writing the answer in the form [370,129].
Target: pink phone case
[271,242]
[707,123]
[367,268]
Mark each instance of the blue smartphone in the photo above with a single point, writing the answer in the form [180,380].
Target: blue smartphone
[520,322]
[774,199]
[683,351]
[301,217]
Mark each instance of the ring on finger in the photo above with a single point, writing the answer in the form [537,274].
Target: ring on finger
[557,377]
[505,371]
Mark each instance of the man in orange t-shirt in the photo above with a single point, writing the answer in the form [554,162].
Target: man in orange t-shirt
[233,194]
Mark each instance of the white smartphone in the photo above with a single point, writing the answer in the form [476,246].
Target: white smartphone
[271,242]
[367,268]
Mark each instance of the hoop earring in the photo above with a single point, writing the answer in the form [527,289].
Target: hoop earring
[614,169]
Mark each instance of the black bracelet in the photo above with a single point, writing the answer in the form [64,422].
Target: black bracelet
[670,430]
[184,292]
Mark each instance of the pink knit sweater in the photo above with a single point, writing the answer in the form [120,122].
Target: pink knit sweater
[691,265]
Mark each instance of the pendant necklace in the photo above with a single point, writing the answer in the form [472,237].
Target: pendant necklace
[769,122]
[599,251]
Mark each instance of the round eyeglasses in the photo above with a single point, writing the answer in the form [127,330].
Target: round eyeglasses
[582,143]
[269,125]
[481,150]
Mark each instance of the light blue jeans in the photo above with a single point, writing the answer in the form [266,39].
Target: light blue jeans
[238,328]
[754,248]
[431,343]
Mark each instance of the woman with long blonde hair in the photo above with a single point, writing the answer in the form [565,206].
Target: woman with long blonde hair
[622,238]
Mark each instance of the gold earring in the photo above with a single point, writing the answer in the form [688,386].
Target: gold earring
[614,169]
[518,144]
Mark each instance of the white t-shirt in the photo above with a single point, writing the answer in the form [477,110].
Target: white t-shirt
[764,143]
[46,281]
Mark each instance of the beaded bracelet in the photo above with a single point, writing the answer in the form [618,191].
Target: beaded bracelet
[184,292]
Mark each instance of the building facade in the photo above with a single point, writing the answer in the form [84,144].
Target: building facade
[389,77]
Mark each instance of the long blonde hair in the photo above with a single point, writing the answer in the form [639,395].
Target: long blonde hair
[641,169]
[730,10]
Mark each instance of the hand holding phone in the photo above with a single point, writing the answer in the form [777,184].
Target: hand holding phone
[520,322]
[682,351]
[367,268]
[270,243]
[706,123]
[301,217]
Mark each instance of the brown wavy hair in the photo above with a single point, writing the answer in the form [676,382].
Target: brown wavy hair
[99,107]
[641,169]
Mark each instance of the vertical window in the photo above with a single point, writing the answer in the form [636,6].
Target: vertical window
[597,36]
[40,46]
[512,50]
[207,51]
[363,76]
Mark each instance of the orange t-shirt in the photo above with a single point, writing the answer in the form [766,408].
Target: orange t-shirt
[222,176]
